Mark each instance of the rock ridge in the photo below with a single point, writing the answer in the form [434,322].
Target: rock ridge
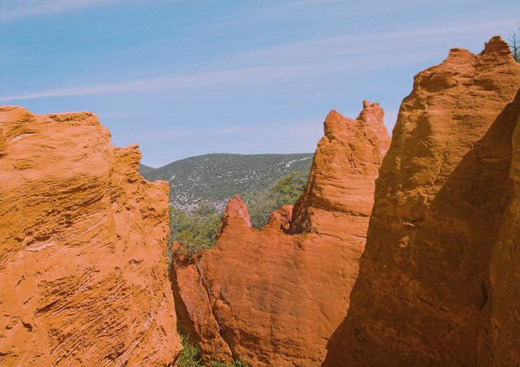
[439,206]
[82,248]
[273,296]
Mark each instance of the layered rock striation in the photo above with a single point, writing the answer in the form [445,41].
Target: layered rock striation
[82,248]
[424,296]
[272,297]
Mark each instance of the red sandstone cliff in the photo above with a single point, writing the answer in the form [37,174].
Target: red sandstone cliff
[342,177]
[423,296]
[82,248]
[273,298]
[500,339]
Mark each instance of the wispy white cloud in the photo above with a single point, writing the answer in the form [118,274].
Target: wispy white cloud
[309,128]
[300,4]
[230,78]
[379,43]
[16,9]
[298,101]
[250,15]
[225,130]
[295,61]
[173,134]
[217,79]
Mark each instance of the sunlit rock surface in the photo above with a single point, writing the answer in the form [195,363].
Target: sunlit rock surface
[83,269]
[273,297]
[423,287]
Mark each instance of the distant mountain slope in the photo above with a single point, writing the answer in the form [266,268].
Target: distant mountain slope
[215,178]
[145,169]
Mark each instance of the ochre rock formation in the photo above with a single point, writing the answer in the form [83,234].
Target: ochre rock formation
[500,342]
[272,297]
[83,237]
[422,297]
[343,172]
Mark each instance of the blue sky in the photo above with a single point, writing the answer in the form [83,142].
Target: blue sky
[184,78]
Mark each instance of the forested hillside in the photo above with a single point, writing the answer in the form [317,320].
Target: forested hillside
[214,178]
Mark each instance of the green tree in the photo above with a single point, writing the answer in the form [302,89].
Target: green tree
[289,188]
[285,191]
[196,230]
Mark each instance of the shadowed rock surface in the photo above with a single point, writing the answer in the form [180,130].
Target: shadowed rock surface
[423,285]
[273,297]
[500,344]
[82,248]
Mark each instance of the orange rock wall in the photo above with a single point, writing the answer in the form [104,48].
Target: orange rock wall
[83,237]
[342,176]
[423,285]
[273,297]
[500,342]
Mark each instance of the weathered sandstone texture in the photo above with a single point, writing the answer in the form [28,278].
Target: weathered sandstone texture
[83,236]
[500,344]
[273,297]
[424,294]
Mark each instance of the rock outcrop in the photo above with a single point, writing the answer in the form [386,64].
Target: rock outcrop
[273,296]
[83,237]
[343,172]
[500,341]
[423,295]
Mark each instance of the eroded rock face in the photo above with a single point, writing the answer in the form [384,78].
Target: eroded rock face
[82,248]
[273,297]
[439,204]
[500,341]
[343,171]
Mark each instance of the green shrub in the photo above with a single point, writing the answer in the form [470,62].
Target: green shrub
[190,357]
[190,354]
[286,191]
[196,230]
[233,364]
